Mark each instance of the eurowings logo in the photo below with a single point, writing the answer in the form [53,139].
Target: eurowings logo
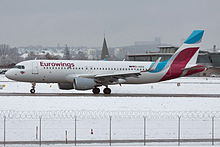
[22,72]
[61,64]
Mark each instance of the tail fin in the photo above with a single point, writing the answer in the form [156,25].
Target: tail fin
[185,57]
[187,54]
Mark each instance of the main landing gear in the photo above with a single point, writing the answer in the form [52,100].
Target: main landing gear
[105,91]
[96,90]
[33,88]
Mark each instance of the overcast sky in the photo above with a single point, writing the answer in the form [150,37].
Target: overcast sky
[83,22]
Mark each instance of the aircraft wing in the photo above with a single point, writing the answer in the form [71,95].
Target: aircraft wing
[114,78]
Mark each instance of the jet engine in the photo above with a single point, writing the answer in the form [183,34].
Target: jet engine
[84,83]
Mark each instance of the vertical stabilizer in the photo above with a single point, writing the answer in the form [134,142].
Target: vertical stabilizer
[185,57]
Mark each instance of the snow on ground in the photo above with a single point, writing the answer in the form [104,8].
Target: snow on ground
[108,104]
[189,85]
[122,128]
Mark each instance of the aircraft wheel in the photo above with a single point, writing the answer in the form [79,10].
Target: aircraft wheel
[32,90]
[96,90]
[107,91]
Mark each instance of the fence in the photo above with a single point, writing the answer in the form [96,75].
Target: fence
[109,127]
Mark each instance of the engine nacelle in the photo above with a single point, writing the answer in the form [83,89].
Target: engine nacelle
[84,83]
[66,86]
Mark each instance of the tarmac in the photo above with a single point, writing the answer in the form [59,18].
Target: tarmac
[110,142]
[110,95]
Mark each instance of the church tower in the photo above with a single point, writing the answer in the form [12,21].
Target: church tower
[105,53]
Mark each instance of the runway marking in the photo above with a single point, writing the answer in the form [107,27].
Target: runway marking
[111,95]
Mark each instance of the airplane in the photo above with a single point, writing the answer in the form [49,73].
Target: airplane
[86,75]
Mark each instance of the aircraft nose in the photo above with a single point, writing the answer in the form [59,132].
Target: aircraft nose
[8,74]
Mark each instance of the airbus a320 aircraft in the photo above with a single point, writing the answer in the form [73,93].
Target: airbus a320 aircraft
[85,75]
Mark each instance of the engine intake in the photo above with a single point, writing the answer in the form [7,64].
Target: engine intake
[84,83]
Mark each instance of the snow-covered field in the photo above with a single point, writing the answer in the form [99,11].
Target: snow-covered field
[187,85]
[122,127]
[190,85]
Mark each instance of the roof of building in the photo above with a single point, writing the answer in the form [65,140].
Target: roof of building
[167,47]
[159,54]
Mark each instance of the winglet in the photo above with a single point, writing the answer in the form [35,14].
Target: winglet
[154,66]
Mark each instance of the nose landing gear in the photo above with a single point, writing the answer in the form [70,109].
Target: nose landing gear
[33,88]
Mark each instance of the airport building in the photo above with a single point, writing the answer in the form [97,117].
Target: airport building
[209,59]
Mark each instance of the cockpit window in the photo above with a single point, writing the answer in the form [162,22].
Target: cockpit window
[19,66]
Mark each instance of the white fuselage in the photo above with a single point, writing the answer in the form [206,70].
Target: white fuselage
[61,71]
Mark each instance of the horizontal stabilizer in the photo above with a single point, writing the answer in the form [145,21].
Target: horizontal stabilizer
[194,68]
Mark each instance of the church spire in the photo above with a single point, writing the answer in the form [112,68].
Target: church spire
[105,53]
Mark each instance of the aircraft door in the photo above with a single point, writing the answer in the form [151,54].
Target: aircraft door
[34,68]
